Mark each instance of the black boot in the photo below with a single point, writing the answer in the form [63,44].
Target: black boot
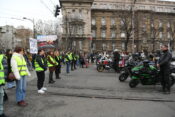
[51,78]
[58,76]
[5,96]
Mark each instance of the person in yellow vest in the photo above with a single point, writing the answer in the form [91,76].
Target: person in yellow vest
[67,61]
[2,83]
[58,66]
[40,65]
[20,70]
[71,60]
[51,62]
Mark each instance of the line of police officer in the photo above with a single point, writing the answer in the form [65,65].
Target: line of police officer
[53,62]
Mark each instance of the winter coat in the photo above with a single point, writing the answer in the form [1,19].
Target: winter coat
[14,66]
[165,60]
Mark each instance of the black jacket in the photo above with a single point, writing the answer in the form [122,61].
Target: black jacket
[38,59]
[165,59]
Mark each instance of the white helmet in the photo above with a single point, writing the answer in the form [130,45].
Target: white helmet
[116,50]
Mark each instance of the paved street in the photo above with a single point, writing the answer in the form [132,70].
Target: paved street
[88,93]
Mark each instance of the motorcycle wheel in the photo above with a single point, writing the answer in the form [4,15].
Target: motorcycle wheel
[123,77]
[100,68]
[172,80]
[133,83]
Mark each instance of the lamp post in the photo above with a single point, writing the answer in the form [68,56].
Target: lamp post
[33,22]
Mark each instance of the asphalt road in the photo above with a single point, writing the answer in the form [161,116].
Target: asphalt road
[88,93]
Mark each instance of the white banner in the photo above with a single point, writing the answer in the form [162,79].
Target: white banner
[33,46]
[46,38]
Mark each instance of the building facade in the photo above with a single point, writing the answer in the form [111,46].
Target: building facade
[127,26]
[11,37]
[77,24]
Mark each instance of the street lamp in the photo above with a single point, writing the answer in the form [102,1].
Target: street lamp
[33,22]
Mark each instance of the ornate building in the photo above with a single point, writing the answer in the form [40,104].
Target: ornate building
[129,25]
[77,24]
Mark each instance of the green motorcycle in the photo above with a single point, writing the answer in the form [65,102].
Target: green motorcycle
[146,75]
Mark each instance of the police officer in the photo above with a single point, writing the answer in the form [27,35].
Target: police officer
[164,64]
[2,83]
[58,59]
[40,68]
[51,62]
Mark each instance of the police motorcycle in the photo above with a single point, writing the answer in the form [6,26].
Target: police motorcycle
[147,74]
[129,64]
[104,64]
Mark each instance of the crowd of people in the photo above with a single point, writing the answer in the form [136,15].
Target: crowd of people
[20,63]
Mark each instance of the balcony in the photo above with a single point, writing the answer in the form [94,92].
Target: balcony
[94,27]
[103,27]
[113,27]
[161,29]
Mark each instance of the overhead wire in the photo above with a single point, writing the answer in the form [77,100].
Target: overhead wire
[52,3]
[46,6]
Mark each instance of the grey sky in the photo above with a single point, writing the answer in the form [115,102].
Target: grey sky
[26,8]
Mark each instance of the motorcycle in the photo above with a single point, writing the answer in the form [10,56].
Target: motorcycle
[126,71]
[104,65]
[147,75]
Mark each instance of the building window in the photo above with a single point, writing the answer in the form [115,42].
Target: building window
[103,33]
[80,45]
[93,21]
[123,35]
[113,46]
[168,35]
[80,30]
[112,21]
[93,33]
[152,25]
[160,35]
[160,24]
[113,34]
[103,21]
[168,25]
[94,46]
[144,27]
[121,22]
[74,43]
[123,45]
[104,46]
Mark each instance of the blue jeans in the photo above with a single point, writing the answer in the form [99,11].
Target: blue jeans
[10,84]
[21,89]
[67,67]
[1,100]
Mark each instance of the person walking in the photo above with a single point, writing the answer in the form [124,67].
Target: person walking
[67,61]
[51,62]
[40,65]
[58,66]
[2,83]
[116,59]
[20,70]
[164,64]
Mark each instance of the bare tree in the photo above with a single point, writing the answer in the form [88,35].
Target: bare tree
[48,27]
[126,28]
[154,31]
[171,30]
